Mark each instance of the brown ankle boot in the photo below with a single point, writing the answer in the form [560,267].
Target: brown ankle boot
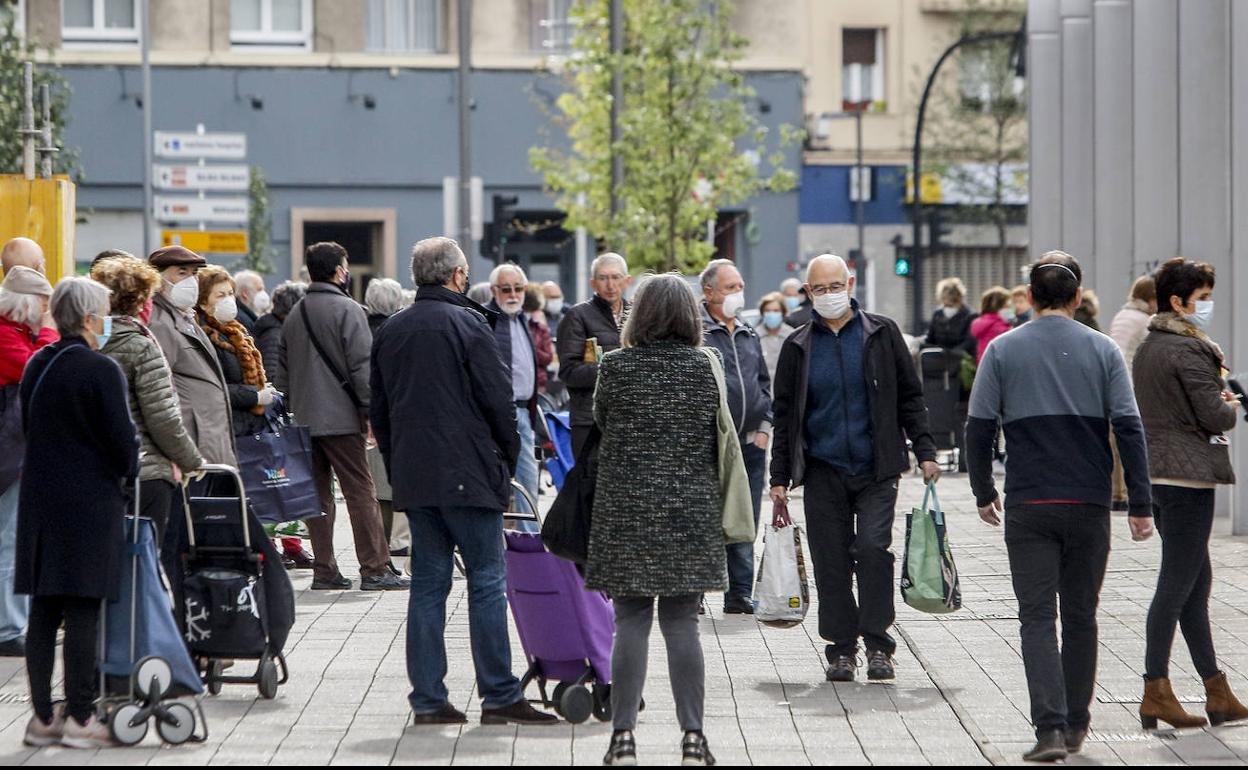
[1220,703]
[1159,703]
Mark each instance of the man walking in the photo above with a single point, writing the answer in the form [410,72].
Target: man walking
[587,331]
[1057,388]
[519,358]
[847,397]
[445,422]
[749,399]
[323,368]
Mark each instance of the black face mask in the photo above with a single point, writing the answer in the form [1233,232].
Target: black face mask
[346,284]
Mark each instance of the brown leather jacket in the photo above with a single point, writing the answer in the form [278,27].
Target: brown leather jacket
[1177,373]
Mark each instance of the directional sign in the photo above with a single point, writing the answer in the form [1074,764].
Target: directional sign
[182,209]
[207,241]
[189,144]
[186,177]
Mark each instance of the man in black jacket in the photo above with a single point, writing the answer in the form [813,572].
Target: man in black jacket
[444,420]
[847,396]
[749,400]
[586,332]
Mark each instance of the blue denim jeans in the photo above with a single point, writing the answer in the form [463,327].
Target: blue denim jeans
[14,610]
[741,555]
[527,472]
[478,533]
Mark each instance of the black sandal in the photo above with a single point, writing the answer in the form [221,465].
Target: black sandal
[695,751]
[623,749]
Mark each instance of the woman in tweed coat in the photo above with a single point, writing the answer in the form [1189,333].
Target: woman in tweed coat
[657,526]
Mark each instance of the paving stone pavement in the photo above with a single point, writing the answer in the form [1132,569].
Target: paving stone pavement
[959,698]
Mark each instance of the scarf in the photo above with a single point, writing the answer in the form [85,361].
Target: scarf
[233,338]
[1173,323]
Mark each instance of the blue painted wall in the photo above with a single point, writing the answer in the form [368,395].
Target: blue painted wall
[825,196]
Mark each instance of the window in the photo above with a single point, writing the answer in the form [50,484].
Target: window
[100,22]
[272,25]
[862,70]
[550,28]
[405,26]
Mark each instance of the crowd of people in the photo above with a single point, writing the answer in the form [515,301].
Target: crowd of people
[423,407]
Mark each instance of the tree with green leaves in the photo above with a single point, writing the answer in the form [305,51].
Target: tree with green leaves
[15,51]
[976,139]
[259,226]
[688,142]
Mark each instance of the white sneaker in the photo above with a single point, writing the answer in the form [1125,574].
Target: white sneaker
[93,735]
[39,734]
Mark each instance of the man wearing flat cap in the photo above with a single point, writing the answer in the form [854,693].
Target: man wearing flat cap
[196,370]
[25,327]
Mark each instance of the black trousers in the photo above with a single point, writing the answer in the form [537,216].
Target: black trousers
[1184,520]
[155,503]
[1058,551]
[580,433]
[81,617]
[849,522]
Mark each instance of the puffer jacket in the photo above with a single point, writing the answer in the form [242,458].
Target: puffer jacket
[745,373]
[1177,375]
[153,402]
[268,339]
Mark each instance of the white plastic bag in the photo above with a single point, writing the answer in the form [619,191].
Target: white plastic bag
[781,595]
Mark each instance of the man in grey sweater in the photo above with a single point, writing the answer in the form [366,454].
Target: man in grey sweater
[1058,388]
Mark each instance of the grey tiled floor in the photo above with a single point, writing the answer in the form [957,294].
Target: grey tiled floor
[959,698]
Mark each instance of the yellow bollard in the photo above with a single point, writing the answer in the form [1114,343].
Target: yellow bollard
[45,211]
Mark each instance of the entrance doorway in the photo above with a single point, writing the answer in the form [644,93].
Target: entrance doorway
[368,235]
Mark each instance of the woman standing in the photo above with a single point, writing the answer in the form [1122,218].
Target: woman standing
[657,526]
[1186,412]
[82,453]
[772,331]
[950,327]
[995,318]
[25,327]
[383,298]
[168,451]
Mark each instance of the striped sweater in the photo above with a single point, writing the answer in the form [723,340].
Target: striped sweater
[1057,388]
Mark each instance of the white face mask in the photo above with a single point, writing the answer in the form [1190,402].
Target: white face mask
[261,302]
[832,306]
[225,310]
[1203,315]
[733,304]
[184,293]
[554,306]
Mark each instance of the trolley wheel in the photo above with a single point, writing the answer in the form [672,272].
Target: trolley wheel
[602,702]
[268,679]
[122,727]
[577,703]
[212,677]
[152,668]
[178,725]
[556,697]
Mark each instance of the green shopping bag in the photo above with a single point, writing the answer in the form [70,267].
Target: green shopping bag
[929,578]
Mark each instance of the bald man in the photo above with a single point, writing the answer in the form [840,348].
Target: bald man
[846,397]
[22,252]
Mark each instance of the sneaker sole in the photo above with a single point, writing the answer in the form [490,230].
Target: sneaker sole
[85,743]
[385,588]
[315,587]
[840,678]
[881,677]
[622,762]
[1052,755]
[39,743]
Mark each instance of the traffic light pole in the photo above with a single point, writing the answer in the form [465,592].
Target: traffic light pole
[916,200]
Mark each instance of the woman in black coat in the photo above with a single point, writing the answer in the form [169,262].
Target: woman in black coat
[268,334]
[82,456]
[241,362]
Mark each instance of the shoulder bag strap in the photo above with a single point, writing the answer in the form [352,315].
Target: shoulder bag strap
[39,381]
[329,363]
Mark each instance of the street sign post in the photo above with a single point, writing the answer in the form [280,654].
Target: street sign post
[191,144]
[223,178]
[207,241]
[171,208]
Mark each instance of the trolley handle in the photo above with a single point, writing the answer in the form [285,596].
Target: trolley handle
[218,469]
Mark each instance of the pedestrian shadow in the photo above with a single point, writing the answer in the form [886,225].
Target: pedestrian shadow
[823,697]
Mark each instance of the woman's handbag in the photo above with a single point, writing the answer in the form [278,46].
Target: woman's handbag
[929,578]
[565,530]
[276,466]
[734,484]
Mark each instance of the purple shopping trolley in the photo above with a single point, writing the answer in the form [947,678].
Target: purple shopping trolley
[566,630]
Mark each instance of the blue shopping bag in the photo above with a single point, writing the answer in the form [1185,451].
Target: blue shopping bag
[276,466]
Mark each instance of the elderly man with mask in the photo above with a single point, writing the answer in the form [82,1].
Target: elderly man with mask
[253,300]
[847,397]
[586,332]
[749,399]
[519,356]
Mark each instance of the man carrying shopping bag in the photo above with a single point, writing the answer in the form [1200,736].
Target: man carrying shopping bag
[846,398]
[929,579]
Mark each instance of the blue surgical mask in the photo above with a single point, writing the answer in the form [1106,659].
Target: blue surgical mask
[101,339]
[1203,315]
[792,303]
[772,319]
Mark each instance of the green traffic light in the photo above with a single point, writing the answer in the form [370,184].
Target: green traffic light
[901,266]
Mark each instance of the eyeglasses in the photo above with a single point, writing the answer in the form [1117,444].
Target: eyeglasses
[510,289]
[827,288]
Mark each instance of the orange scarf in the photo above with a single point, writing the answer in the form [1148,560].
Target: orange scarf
[233,337]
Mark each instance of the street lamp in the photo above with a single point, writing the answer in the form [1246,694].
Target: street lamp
[1018,39]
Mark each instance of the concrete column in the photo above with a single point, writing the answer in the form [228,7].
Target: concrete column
[1078,135]
[1044,75]
[1233,288]
[1156,131]
[1114,236]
